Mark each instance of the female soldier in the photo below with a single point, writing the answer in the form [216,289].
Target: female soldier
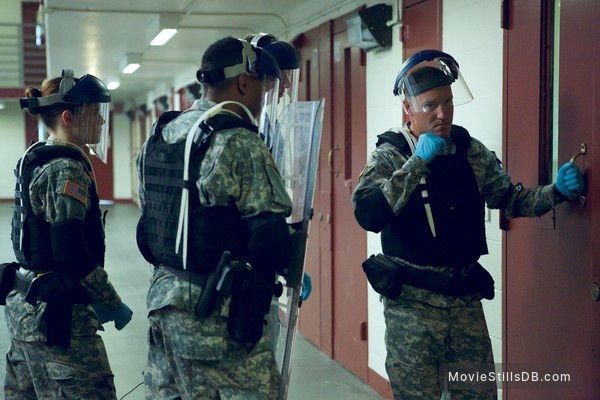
[62,292]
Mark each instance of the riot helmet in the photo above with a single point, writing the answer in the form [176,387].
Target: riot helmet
[289,62]
[255,62]
[88,98]
[427,70]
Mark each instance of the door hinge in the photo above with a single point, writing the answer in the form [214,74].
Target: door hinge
[504,14]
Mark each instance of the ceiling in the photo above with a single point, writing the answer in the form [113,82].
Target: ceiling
[93,36]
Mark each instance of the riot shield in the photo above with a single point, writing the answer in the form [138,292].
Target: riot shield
[296,153]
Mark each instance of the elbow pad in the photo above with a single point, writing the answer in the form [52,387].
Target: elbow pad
[372,211]
[70,249]
[270,245]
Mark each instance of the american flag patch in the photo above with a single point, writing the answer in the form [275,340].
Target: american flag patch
[75,191]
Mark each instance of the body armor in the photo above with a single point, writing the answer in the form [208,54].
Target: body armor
[212,230]
[30,232]
[457,207]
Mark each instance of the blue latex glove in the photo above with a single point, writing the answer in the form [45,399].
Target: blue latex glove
[121,315]
[428,146]
[306,287]
[569,179]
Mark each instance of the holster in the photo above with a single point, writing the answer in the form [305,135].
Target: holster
[251,295]
[60,293]
[387,277]
[7,278]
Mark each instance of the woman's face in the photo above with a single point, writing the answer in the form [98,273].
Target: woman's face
[88,123]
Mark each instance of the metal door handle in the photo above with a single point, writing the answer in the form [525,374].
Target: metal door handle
[582,151]
[330,157]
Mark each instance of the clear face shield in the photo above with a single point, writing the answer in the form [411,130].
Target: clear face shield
[414,81]
[91,123]
[267,122]
[288,94]
[288,90]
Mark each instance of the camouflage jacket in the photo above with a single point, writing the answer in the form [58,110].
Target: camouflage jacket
[47,195]
[397,177]
[237,169]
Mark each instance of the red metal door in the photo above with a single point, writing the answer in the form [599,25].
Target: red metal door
[316,317]
[346,158]
[422,25]
[551,323]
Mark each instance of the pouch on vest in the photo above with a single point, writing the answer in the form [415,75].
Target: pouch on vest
[384,275]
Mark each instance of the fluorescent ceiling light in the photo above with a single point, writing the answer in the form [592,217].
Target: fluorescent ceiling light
[163,37]
[131,68]
[162,28]
[113,85]
[130,63]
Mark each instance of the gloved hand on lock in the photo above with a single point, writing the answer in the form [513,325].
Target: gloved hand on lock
[121,315]
[569,180]
[306,287]
[428,146]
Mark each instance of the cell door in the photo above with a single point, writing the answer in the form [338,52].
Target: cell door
[551,264]
[346,159]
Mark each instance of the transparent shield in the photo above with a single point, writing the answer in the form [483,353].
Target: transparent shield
[91,122]
[295,151]
[268,111]
[429,75]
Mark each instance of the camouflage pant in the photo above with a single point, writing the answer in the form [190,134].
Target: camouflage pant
[193,358]
[37,371]
[430,336]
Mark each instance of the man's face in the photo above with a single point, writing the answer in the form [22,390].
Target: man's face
[431,111]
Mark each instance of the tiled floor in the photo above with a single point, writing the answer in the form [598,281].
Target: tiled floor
[314,375]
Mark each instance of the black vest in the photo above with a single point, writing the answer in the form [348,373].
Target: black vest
[36,250]
[457,207]
[211,230]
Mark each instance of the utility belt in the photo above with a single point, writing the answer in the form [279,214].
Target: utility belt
[57,289]
[251,293]
[387,276]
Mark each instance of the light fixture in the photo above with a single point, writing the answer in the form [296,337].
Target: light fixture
[162,28]
[112,85]
[369,29]
[130,63]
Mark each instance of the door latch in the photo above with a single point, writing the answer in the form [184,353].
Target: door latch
[582,151]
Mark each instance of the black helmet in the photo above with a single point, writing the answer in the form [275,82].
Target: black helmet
[87,89]
[284,53]
[255,61]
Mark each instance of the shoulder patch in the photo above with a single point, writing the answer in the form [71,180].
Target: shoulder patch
[75,191]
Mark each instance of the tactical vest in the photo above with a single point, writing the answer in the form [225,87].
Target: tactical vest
[457,207]
[211,230]
[34,251]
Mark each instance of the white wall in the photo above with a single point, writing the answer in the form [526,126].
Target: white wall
[122,157]
[12,128]
[477,46]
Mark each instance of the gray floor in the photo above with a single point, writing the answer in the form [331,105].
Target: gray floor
[314,375]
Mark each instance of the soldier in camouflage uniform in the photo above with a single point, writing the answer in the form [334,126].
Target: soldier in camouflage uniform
[58,237]
[425,188]
[193,356]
